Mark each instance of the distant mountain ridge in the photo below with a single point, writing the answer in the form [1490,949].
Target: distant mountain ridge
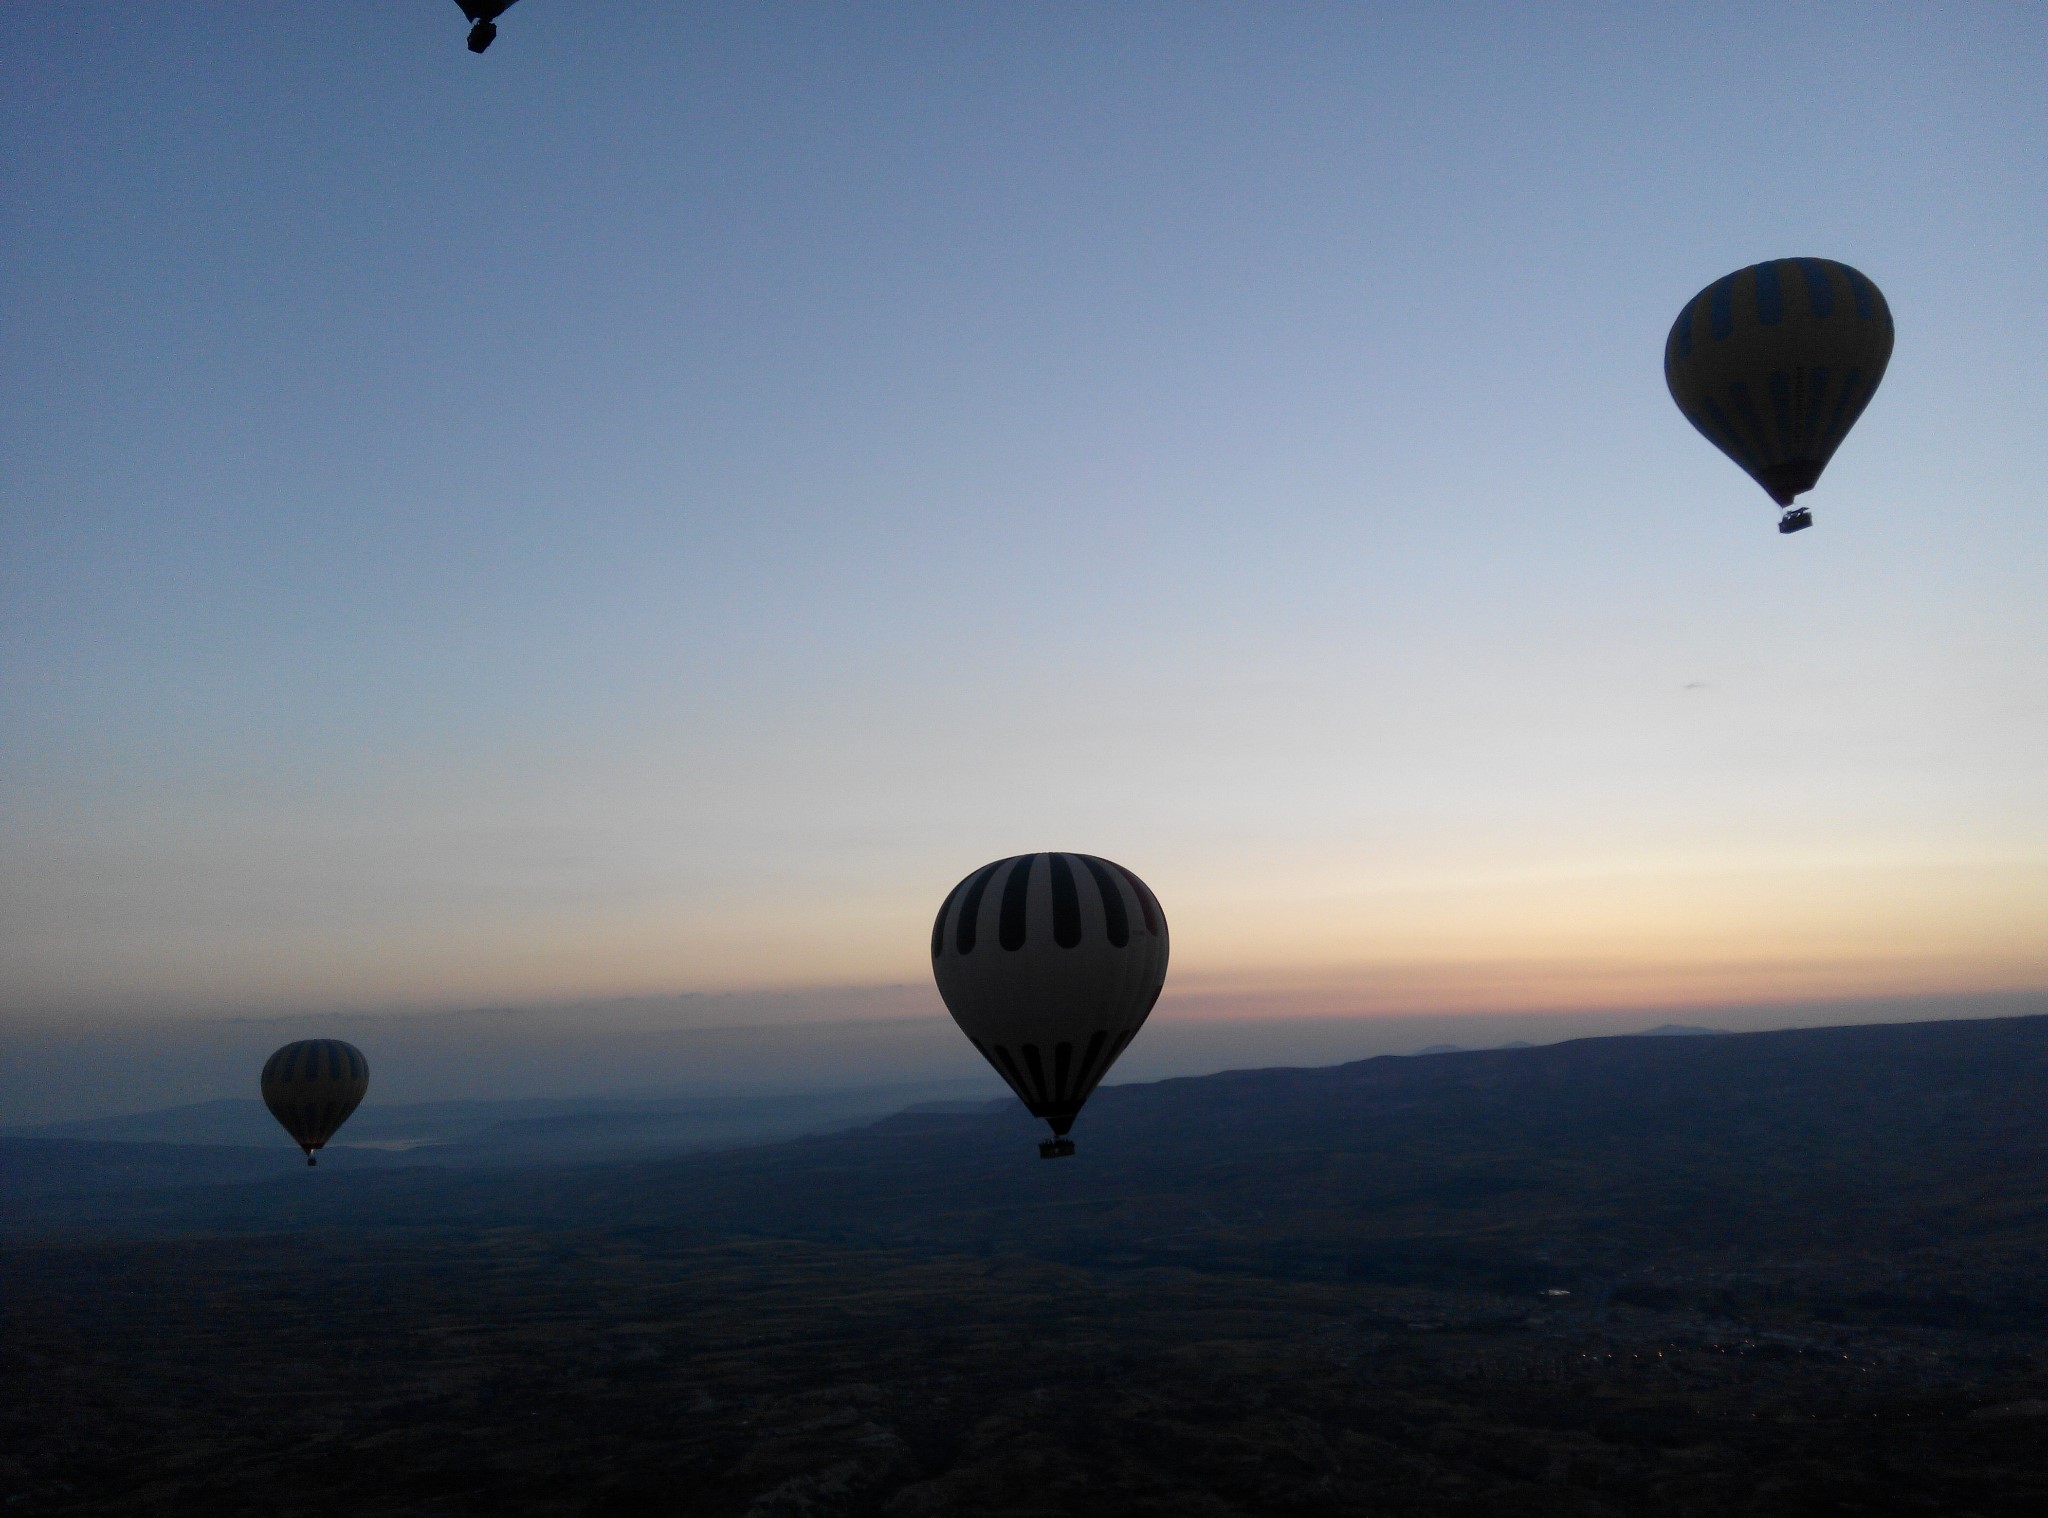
[1551,1166]
[1622,1275]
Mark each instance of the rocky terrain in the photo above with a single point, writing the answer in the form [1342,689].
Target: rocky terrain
[1771,1274]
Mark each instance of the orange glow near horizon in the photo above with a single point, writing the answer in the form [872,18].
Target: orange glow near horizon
[1594,940]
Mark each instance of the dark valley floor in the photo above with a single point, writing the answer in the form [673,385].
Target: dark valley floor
[1768,1274]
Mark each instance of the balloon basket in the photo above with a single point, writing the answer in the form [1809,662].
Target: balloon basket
[1796,520]
[1055,1149]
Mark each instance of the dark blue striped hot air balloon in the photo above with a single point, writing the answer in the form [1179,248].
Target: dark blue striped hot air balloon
[1773,365]
[1050,964]
[312,1086]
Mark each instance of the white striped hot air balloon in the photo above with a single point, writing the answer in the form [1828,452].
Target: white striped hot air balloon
[1774,363]
[1050,963]
[312,1086]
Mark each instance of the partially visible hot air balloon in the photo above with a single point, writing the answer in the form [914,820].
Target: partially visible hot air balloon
[1049,963]
[484,14]
[312,1086]
[1774,364]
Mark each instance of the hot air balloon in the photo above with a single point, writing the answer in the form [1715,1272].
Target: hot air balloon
[484,15]
[312,1086]
[1050,963]
[1774,364]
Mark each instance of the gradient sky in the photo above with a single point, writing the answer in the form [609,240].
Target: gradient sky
[647,509]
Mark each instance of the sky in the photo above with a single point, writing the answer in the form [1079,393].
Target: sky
[641,512]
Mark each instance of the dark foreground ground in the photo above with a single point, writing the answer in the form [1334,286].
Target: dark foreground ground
[1803,1275]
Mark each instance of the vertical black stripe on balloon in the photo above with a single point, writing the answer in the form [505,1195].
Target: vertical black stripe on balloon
[990,1055]
[1721,307]
[1844,417]
[1681,331]
[1066,903]
[1011,1073]
[1062,1063]
[1820,290]
[1010,927]
[1148,904]
[1782,413]
[1863,395]
[1816,397]
[1738,396]
[1088,1057]
[1037,1067]
[291,1061]
[939,922]
[1730,441]
[1770,296]
[1866,297]
[358,1067]
[970,909]
[1116,1049]
[1115,920]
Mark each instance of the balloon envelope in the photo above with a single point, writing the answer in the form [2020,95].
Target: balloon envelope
[312,1086]
[1774,363]
[1050,963]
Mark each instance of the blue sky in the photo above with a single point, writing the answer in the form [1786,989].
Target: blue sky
[645,510]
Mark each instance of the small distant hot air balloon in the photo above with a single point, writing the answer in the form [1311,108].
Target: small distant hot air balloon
[312,1086]
[1050,963]
[1774,364]
[483,14]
